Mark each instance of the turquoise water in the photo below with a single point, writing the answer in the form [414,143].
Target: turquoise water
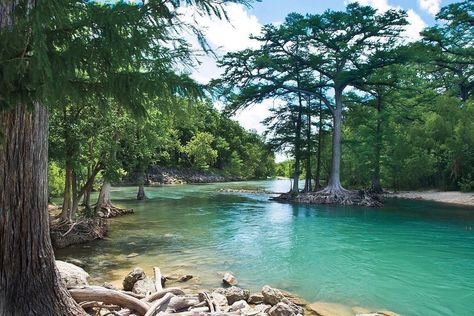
[411,257]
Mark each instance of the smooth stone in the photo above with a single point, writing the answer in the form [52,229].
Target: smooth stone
[71,274]
[133,254]
[229,279]
[132,277]
[239,306]
[144,286]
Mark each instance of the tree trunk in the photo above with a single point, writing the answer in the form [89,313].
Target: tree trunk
[308,186]
[104,197]
[334,184]
[29,281]
[66,213]
[376,186]
[141,195]
[320,147]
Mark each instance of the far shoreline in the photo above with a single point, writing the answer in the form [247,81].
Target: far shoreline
[458,198]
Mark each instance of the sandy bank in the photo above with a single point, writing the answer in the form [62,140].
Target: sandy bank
[451,197]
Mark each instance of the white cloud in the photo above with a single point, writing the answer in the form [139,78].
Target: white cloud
[416,23]
[432,6]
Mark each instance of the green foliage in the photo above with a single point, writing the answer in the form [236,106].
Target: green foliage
[55,180]
[200,150]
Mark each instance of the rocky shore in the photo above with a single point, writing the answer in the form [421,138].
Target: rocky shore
[158,175]
[142,295]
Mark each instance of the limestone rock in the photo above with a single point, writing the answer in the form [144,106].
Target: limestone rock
[219,299]
[233,294]
[282,309]
[144,286]
[229,279]
[239,306]
[131,278]
[271,296]
[71,274]
[260,309]
[255,298]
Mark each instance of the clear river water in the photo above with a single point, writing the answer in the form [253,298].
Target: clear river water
[411,257]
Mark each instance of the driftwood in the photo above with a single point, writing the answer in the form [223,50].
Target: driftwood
[157,273]
[179,303]
[158,295]
[107,296]
[158,304]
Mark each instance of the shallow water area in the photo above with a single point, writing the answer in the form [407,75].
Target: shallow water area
[411,257]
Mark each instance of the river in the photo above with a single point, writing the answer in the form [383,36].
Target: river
[411,257]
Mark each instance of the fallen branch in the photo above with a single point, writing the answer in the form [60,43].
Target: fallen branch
[157,273]
[156,306]
[158,295]
[107,296]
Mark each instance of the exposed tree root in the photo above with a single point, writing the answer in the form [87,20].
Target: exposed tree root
[108,210]
[65,233]
[334,196]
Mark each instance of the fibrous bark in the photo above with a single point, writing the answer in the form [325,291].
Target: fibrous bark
[29,281]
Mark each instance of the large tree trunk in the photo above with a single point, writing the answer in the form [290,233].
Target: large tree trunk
[320,147]
[308,185]
[376,186]
[29,281]
[334,185]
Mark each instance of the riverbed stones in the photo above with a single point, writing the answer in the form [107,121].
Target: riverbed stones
[239,306]
[132,277]
[255,298]
[219,299]
[71,274]
[234,294]
[282,309]
[229,279]
[271,295]
[185,278]
[144,286]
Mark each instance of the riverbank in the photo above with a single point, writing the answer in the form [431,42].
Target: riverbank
[158,175]
[449,197]
[142,294]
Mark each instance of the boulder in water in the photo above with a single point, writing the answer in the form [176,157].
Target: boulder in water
[229,279]
[132,277]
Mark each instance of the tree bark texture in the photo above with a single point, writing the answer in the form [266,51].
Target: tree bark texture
[29,281]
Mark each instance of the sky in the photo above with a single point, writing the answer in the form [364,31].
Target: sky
[234,36]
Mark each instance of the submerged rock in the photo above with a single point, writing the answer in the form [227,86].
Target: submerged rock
[132,277]
[229,279]
[185,278]
[234,294]
[71,274]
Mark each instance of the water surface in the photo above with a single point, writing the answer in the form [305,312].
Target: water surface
[412,257]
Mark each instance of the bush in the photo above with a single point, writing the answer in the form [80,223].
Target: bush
[55,180]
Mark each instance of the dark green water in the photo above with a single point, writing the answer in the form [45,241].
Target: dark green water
[411,257]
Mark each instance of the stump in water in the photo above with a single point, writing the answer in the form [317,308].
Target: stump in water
[104,207]
[141,195]
[64,233]
[333,196]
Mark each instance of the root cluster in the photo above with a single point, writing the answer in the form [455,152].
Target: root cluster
[65,233]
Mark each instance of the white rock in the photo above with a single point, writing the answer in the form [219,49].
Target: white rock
[72,275]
